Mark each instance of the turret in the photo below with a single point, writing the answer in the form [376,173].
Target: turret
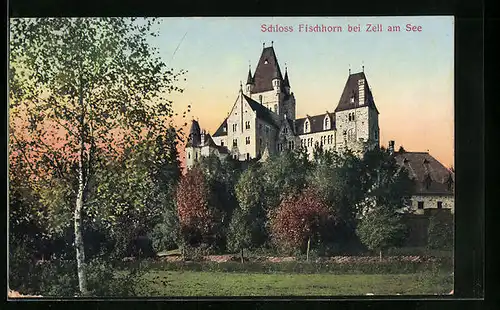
[286,82]
[195,134]
[250,82]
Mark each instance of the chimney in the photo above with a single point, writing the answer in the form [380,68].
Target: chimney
[391,147]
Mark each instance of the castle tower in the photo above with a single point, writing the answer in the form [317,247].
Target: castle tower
[250,82]
[288,98]
[193,144]
[356,116]
[268,87]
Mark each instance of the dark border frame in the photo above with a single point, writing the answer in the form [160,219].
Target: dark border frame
[469,120]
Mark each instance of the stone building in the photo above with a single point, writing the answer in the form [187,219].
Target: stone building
[263,119]
[434,183]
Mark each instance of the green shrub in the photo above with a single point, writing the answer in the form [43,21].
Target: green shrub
[440,231]
[394,267]
[59,279]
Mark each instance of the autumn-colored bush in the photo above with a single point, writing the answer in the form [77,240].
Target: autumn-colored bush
[196,219]
[297,219]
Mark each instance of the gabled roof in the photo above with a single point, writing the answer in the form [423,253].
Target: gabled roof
[262,112]
[423,168]
[316,123]
[288,123]
[267,69]
[210,143]
[220,131]
[351,89]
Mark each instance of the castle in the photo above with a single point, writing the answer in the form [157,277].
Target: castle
[263,119]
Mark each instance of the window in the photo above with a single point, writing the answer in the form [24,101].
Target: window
[306,126]
[222,143]
[327,123]
[285,130]
[195,155]
[224,129]
[439,204]
[329,139]
[349,117]
[260,98]
[420,204]
[247,140]
[351,136]
[235,156]
[293,145]
[235,127]
[189,155]
[235,142]
[353,118]
[352,99]
[275,108]
[247,125]
[248,156]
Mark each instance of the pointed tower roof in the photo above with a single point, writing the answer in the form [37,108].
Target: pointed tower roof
[194,134]
[351,90]
[249,78]
[267,69]
[286,82]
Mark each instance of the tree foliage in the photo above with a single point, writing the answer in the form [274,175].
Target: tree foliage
[440,231]
[283,175]
[248,223]
[197,218]
[298,218]
[86,89]
[381,229]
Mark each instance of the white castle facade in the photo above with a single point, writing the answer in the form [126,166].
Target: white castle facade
[262,120]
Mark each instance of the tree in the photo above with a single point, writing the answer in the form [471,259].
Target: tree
[98,84]
[299,218]
[197,218]
[380,229]
[284,175]
[339,182]
[221,177]
[440,231]
[247,228]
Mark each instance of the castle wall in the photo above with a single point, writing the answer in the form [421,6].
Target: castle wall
[316,139]
[431,201]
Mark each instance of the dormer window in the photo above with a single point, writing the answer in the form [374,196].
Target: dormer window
[306,126]
[427,181]
[266,62]
[327,123]
[352,99]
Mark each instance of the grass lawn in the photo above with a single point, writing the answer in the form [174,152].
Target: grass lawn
[192,283]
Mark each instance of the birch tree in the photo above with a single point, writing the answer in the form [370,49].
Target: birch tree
[87,88]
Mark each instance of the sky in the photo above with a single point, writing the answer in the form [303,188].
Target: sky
[411,74]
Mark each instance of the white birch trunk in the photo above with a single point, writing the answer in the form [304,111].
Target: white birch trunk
[79,246]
